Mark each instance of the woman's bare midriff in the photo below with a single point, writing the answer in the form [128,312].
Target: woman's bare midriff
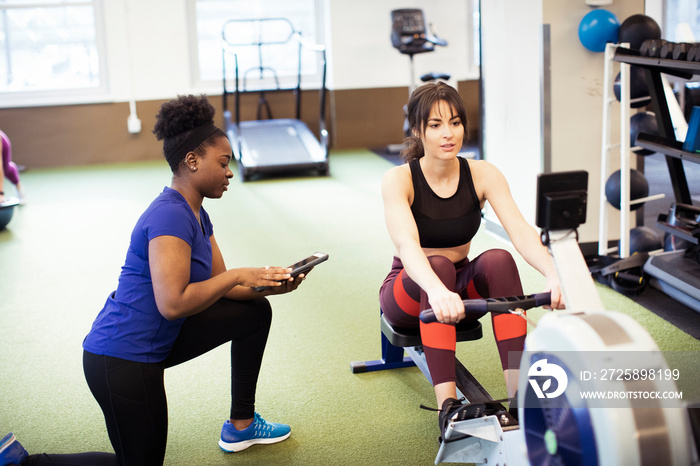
[454,254]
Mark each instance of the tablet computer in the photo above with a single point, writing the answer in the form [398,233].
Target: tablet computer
[302,266]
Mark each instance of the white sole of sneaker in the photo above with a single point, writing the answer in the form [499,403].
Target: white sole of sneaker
[233,447]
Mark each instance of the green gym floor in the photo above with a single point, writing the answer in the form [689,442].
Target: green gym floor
[60,257]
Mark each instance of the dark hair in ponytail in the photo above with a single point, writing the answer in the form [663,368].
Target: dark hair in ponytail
[420,104]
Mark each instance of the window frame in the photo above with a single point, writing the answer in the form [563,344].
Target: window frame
[309,81]
[668,17]
[51,97]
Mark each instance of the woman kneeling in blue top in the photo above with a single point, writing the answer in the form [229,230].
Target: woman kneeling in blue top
[175,301]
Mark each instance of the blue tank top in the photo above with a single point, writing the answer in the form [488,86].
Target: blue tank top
[445,222]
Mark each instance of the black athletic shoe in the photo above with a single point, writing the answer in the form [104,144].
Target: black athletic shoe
[453,411]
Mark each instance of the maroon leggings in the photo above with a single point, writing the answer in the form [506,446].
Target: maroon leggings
[490,275]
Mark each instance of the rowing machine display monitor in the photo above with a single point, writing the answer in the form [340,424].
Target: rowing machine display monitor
[561,200]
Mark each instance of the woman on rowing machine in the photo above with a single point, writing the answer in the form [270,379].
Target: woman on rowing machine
[432,206]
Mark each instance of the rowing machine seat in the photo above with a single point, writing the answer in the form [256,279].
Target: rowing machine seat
[405,337]
[395,339]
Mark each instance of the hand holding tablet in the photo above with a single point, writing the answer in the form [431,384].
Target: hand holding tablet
[302,266]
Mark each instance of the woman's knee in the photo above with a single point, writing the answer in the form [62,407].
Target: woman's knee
[12,173]
[263,310]
[499,274]
[497,261]
[443,267]
[439,261]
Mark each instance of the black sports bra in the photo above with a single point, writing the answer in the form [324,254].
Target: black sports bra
[445,222]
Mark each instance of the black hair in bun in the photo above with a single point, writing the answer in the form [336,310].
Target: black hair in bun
[186,124]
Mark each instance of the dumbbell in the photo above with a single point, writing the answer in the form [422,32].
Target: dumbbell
[667,50]
[693,53]
[680,51]
[674,51]
[652,48]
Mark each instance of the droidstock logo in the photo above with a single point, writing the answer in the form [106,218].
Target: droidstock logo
[543,371]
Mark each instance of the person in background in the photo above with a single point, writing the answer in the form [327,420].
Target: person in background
[8,169]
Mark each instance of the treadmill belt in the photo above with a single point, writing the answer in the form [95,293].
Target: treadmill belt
[677,271]
[278,143]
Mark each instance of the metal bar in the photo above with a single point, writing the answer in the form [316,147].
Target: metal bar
[624,160]
[659,103]
[297,92]
[472,390]
[605,149]
[323,133]
[238,96]
[546,98]
[224,95]
[8,47]
[577,285]
[680,68]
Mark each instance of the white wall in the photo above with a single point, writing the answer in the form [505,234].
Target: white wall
[148,46]
[577,105]
[147,49]
[361,46]
[511,51]
[513,129]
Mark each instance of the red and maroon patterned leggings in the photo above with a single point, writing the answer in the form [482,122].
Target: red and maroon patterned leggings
[490,275]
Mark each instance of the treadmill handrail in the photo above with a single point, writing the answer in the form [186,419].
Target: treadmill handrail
[229,47]
[227,42]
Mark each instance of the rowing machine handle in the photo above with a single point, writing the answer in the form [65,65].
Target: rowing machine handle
[500,305]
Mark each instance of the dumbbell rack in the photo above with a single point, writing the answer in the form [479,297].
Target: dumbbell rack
[672,273]
[611,52]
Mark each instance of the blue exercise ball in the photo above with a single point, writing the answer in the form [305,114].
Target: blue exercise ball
[598,28]
[7,209]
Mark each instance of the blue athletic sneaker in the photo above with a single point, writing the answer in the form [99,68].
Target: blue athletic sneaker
[260,431]
[11,452]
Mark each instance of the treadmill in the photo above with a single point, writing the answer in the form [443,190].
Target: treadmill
[267,145]
[677,273]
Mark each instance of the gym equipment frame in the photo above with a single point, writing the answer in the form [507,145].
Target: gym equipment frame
[271,145]
[672,273]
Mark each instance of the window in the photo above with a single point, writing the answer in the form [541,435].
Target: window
[681,18]
[49,47]
[209,17]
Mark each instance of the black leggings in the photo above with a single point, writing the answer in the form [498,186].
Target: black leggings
[132,394]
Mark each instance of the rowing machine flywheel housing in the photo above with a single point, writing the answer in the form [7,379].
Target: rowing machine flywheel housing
[571,353]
